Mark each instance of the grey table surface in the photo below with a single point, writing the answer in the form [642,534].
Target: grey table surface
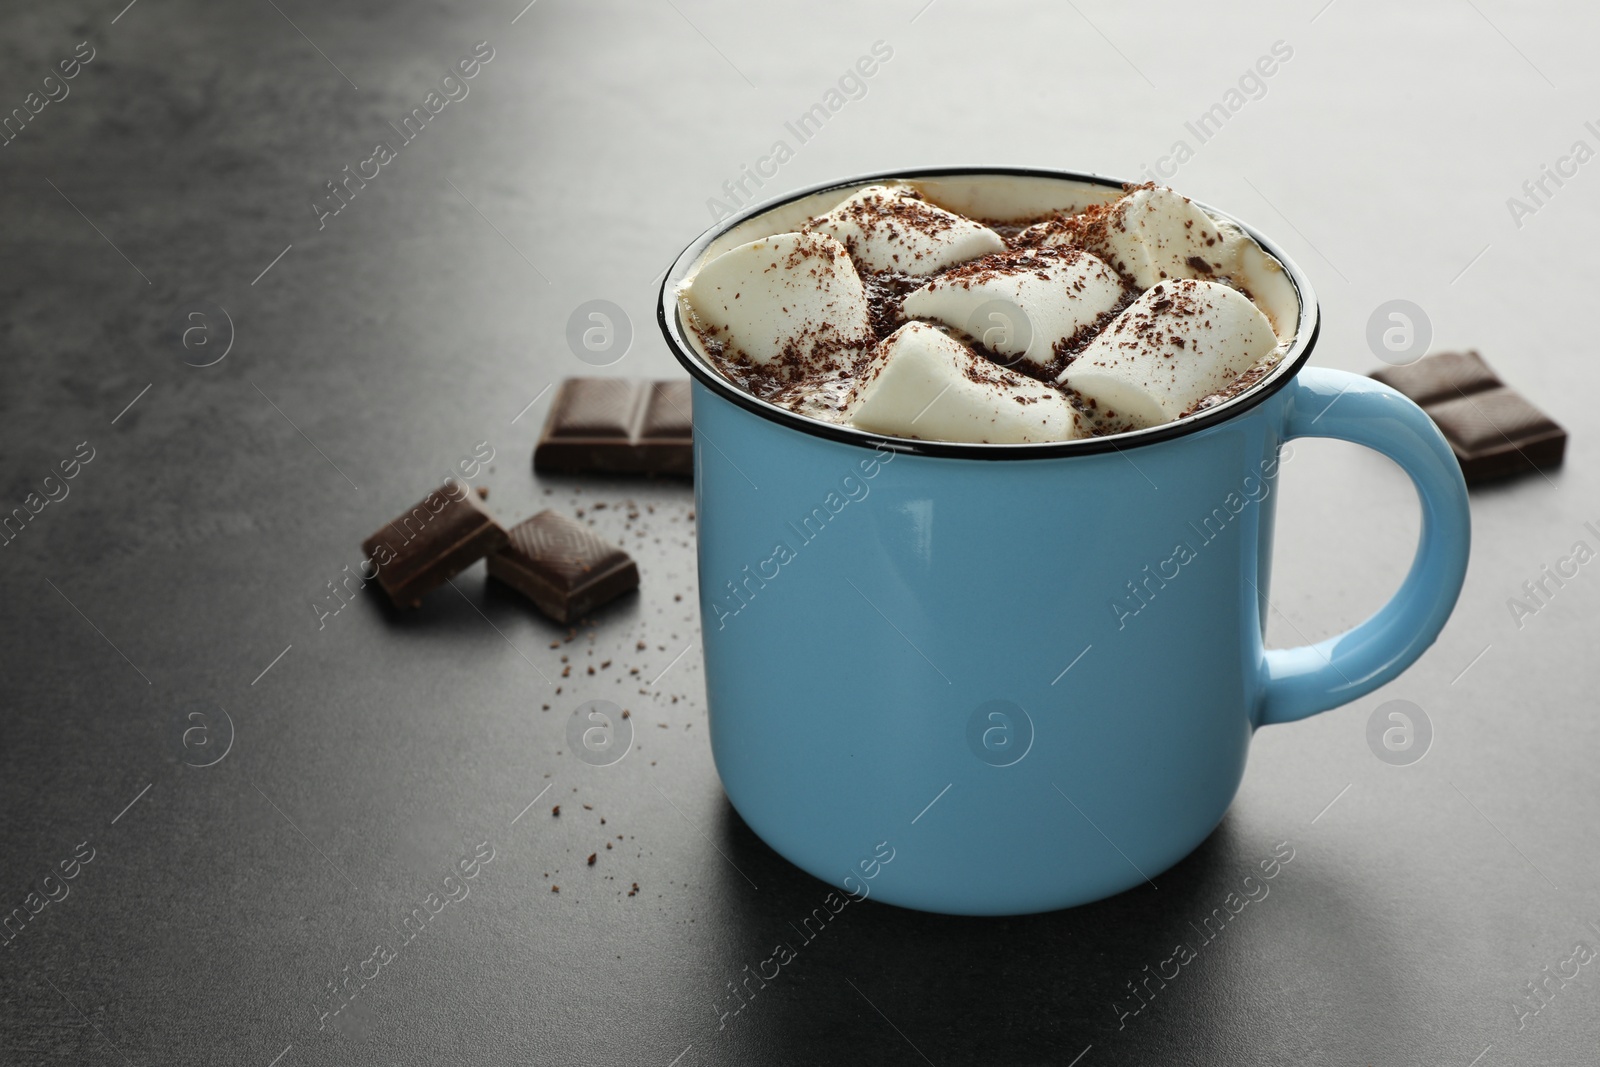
[163,614]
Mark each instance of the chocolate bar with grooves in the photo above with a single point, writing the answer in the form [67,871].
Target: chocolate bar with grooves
[1492,429]
[565,568]
[618,426]
[440,537]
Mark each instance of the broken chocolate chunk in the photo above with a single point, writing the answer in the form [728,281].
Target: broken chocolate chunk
[1496,433]
[432,543]
[565,568]
[1492,429]
[618,426]
[1441,376]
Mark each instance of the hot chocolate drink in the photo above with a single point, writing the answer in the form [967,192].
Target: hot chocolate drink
[934,310]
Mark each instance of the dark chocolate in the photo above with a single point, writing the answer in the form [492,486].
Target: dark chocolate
[1492,429]
[1441,376]
[1496,433]
[432,543]
[618,426]
[565,568]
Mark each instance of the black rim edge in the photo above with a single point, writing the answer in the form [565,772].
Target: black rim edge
[1307,330]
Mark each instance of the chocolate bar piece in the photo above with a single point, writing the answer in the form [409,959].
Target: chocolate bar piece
[1496,433]
[1441,376]
[566,569]
[433,542]
[1493,430]
[618,426]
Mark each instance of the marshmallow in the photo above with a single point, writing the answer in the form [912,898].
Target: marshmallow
[793,299]
[1026,306]
[920,382]
[1149,235]
[889,227]
[1179,342]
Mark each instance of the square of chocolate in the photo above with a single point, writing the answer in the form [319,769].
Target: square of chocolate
[565,568]
[1441,376]
[1496,433]
[1493,431]
[618,426]
[431,543]
[666,430]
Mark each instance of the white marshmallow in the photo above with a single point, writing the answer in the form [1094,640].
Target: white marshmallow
[923,383]
[1180,341]
[888,227]
[1149,235]
[794,298]
[1025,307]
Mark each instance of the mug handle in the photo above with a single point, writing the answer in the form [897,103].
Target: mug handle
[1350,407]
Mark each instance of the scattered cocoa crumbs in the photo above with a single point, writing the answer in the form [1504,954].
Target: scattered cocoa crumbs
[483,492]
[556,810]
[555,889]
[592,857]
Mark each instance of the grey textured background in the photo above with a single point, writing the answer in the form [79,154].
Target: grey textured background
[380,749]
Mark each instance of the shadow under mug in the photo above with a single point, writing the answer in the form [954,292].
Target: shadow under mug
[1026,674]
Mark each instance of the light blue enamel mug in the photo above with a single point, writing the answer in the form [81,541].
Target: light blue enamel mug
[1000,679]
